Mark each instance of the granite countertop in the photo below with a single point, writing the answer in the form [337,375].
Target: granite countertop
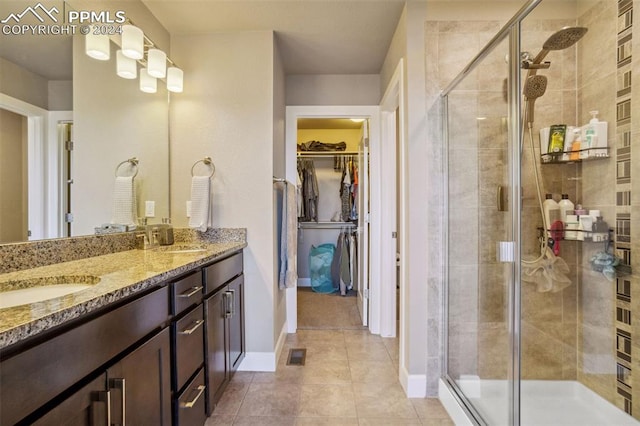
[121,275]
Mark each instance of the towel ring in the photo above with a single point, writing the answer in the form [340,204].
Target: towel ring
[134,163]
[208,162]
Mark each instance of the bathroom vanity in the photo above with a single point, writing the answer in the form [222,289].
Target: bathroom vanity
[154,341]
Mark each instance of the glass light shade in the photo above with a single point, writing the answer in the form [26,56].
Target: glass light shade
[97,46]
[157,63]
[174,79]
[148,84]
[126,67]
[132,42]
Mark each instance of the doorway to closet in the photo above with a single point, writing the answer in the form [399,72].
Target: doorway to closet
[332,167]
[381,294]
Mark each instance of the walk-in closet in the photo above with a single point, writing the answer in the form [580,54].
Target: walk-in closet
[332,198]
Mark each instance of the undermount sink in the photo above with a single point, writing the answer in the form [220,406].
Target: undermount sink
[183,248]
[23,292]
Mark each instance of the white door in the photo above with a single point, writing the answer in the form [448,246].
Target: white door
[363,224]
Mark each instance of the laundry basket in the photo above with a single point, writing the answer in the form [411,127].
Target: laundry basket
[320,259]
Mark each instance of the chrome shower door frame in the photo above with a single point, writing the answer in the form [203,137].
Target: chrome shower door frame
[512,30]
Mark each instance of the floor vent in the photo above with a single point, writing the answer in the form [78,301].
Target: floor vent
[296,356]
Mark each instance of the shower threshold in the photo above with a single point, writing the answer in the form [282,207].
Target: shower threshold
[543,403]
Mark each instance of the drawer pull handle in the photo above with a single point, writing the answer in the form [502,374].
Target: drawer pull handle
[103,397]
[121,385]
[233,302]
[189,331]
[191,403]
[193,291]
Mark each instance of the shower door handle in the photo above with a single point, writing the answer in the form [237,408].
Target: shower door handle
[501,199]
[506,252]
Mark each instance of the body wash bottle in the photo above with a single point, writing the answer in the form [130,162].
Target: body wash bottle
[590,136]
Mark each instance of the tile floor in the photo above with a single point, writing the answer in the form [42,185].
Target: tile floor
[327,311]
[349,378]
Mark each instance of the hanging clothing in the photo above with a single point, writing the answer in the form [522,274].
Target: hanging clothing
[344,266]
[310,192]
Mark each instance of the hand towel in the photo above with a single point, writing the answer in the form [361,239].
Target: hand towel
[124,201]
[289,237]
[200,203]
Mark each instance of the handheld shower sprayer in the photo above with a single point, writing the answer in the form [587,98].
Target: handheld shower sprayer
[534,87]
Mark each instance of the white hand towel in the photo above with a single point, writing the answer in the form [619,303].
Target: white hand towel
[124,201]
[200,203]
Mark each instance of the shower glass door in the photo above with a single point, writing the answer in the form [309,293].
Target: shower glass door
[479,354]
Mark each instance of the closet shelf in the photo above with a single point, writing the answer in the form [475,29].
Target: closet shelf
[326,153]
[326,225]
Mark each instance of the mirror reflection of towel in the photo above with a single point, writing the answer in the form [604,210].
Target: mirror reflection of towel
[200,203]
[124,201]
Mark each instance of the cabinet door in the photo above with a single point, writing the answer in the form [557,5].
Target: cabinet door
[86,407]
[236,323]
[140,384]
[217,309]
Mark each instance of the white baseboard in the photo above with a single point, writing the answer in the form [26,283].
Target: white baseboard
[258,361]
[264,361]
[291,295]
[304,282]
[414,385]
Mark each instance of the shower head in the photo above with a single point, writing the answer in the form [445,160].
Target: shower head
[566,37]
[534,87]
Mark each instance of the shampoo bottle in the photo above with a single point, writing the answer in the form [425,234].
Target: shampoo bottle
[551,212]
[566,207]
[575,145]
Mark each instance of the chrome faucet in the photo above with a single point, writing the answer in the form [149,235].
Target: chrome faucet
[149,238]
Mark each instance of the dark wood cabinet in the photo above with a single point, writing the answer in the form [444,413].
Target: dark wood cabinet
[88,406]
[224,316]
[140,385]
[236,323]
[216,344]
[159,358]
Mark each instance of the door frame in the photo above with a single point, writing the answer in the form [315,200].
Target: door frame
[372,112]
[36,162]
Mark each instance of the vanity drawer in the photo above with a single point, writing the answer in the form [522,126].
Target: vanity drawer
[189,345]
[222,271]
[186,292]
[189,406]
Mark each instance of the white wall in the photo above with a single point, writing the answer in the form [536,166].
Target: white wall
[279,170]
[227,112]
[321,89]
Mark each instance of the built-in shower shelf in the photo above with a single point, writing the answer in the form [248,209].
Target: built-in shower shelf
[588,154]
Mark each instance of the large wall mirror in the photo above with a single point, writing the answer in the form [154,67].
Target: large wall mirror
[51,94]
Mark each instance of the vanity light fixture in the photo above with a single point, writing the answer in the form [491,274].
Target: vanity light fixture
[175,78]
[156,63]
[132,42]
[126,67]
[148,84]
[97,46]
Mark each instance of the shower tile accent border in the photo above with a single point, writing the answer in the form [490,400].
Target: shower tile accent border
[624,300]
[33,254]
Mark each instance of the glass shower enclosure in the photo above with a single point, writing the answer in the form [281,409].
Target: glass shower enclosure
[533,336]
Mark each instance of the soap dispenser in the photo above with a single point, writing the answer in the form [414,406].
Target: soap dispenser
[590,135]
[165,232]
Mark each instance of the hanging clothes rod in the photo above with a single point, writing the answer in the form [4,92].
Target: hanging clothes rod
[326,225]
[275,179]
